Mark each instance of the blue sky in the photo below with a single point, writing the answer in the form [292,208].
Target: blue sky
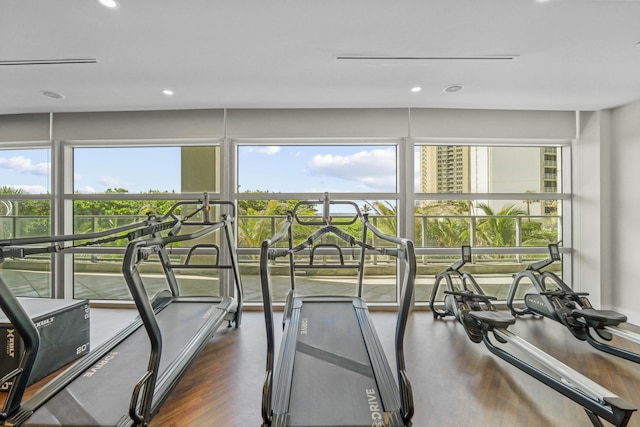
[317,168]
[25,169]
[274,168]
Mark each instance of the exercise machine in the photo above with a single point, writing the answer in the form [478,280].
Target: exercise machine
[549,296]
[331,368]
[124,381]
[458,282]
[465,300]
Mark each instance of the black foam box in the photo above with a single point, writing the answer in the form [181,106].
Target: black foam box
[64,331]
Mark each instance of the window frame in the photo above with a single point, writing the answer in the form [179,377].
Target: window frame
[65,262]
[565,196]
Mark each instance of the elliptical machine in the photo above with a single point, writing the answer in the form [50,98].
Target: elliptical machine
[551,297]
[464,295]
[473,309]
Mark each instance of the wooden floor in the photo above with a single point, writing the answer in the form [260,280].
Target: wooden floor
[455,382]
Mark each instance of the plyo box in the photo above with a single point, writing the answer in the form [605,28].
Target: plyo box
[63,326]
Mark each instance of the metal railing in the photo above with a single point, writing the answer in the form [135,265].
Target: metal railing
[431,231]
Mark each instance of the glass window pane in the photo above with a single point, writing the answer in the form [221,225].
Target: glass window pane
[260,219]
[98,273]
[25,171]
[486,169]
[493,272]
[24,218]
[90,216]
[316,168]
[99,276]
[147,169]
[487,223]
[28,277]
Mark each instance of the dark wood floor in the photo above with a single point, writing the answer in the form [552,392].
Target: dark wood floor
[455,382]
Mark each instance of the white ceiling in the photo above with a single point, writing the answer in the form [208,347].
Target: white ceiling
[568,54]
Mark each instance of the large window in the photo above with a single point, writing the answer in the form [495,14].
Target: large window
[25,211]
[146,169]
[115,186]
[443,183]
[507,202]
[290,173]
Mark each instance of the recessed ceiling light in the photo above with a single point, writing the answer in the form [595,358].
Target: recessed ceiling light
[51,94]
[416,89]
[112,4]
[454,88]
[167,92]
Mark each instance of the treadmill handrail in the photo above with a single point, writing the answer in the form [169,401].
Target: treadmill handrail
[18,317]
[31,339]
[141,408]
[23,323]
[404,251]
[149,222]
[327,218]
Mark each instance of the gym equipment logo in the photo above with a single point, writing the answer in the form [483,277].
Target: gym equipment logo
[45,322]
[101,364]
[11,343]
[374,409]
[304,326]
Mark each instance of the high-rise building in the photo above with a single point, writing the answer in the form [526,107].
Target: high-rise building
[471,169]
[445,169]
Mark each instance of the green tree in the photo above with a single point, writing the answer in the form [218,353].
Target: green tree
[498,228]
[387,213]
[260,219]
[529,202]
[447,232]
[29,217]
[444,222]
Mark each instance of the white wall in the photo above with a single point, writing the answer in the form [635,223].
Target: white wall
[591,217]
[625,209]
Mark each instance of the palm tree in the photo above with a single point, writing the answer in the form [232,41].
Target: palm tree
[498,229]
[448,232]
[529,202]
[388,222]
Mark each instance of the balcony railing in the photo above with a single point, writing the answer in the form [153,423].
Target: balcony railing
[509,242]
[431,231]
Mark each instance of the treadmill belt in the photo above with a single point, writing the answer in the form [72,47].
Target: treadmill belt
[101,396]
[332,369]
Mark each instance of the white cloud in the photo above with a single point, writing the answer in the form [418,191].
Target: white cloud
[30,189]
[109,181]
[87,189]
[374,169]
[269,150]
[22,164]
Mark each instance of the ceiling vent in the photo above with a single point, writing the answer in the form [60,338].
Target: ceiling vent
[49,61]
[389,58]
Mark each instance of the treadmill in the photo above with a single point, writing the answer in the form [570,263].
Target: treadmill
[124,381]
[331,368]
